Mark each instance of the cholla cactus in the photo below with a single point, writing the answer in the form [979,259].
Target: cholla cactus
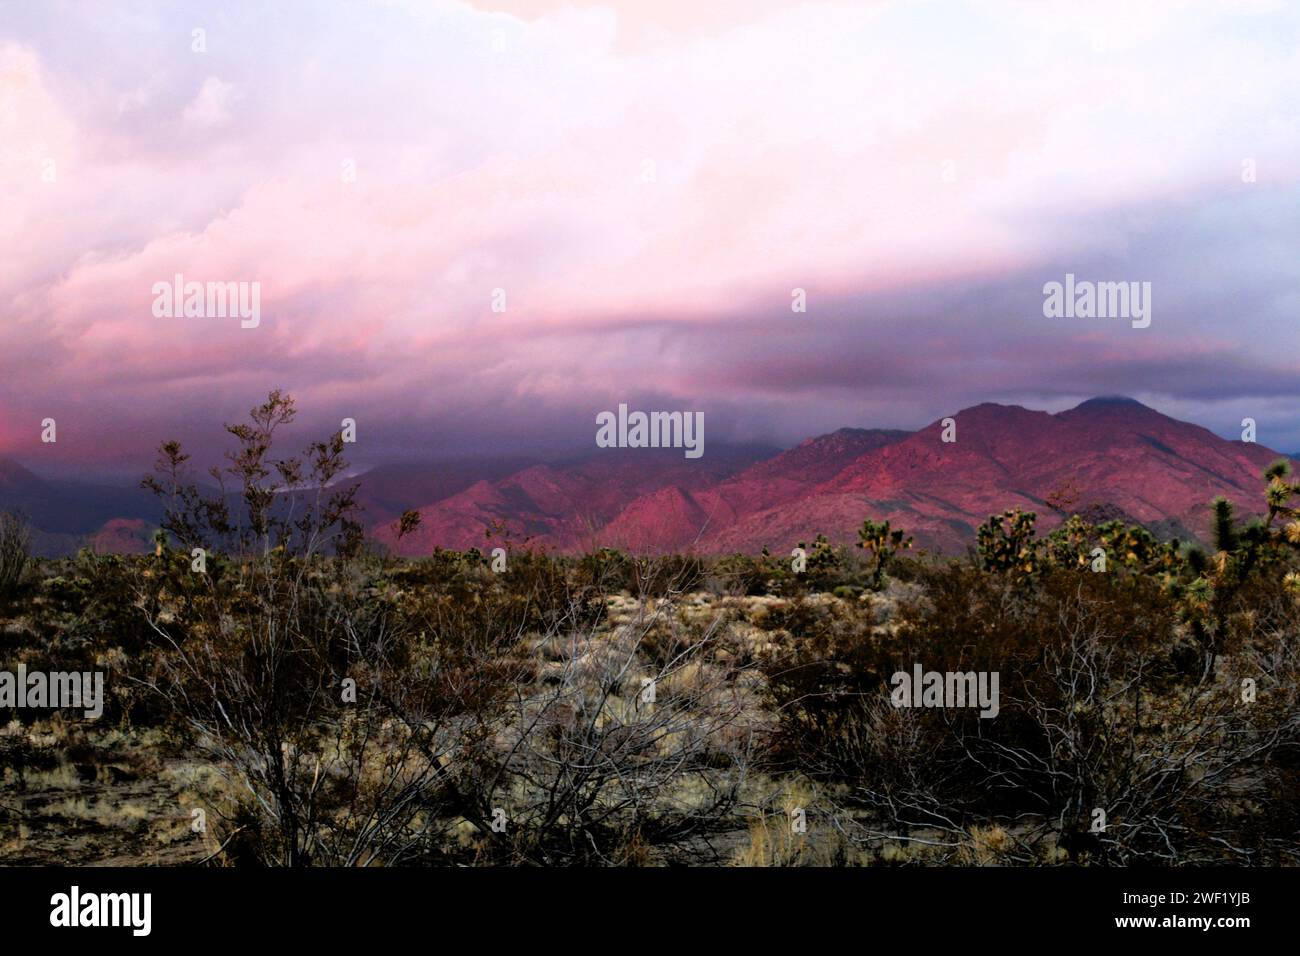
[1069,546]
[1007,543]
[1137,549]
[1130,547]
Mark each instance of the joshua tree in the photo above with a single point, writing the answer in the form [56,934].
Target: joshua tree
[1208,598]
[821,560]
[1278,495]
[883,543]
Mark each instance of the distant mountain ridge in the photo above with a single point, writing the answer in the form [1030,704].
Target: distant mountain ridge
[1120,457]
[1113,456]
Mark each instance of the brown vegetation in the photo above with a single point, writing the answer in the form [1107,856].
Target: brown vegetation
[321,704]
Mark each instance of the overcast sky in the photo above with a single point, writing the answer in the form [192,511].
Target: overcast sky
[647,182]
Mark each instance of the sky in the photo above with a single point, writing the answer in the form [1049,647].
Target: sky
[641,186]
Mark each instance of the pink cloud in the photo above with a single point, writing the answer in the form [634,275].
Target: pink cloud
[606,163]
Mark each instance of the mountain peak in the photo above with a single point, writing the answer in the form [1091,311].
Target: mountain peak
[1110,401]
[997,415]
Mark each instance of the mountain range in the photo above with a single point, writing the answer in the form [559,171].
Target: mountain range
[1108,457]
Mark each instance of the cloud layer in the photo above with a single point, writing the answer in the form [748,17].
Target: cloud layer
[647,186]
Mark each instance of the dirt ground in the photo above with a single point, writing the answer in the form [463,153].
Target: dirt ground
[99,801]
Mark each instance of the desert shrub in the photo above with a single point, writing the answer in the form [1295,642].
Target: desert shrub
[1094,713]
[294,671]
[15,551]
[825,666]
[333,720]
[738,574]
[626,748]
[822,565]
[606,571]
[667,574]
[104,612]
[909,568]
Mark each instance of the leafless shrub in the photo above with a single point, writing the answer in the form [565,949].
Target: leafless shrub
[284,669]
[634,738]
[15,550]
[1102,752]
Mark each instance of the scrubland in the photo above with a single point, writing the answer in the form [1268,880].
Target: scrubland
[279,694]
